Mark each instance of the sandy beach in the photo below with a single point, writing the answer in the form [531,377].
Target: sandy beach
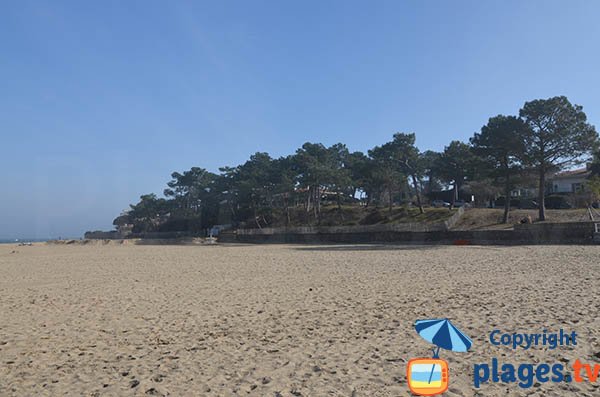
[277,320]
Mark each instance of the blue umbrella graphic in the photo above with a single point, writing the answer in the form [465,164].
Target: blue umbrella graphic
[443,334]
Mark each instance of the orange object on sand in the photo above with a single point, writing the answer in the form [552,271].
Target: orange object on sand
[462,242]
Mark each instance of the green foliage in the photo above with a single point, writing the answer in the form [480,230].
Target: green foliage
[386,173]
[593,186]
[146,215]
[456,165]
[123,219]
[558,136]
[558,133]
[190,191]
[501,147]
[318,184]
[501,144]
[429,161]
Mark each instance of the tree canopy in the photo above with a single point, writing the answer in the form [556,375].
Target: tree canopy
[501,147]
[558,136]
[547,135]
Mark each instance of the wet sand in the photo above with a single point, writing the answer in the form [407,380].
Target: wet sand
[277,320]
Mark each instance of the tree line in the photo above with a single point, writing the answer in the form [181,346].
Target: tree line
[546,136]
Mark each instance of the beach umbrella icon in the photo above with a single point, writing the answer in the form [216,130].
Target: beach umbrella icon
[443,334]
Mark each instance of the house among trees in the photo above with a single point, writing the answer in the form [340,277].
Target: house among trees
[123,224]
[569,181]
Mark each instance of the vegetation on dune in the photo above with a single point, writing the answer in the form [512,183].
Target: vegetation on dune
[354,215]
[492,218]
[320,185]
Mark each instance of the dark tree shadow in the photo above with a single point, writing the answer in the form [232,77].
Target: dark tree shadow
[372,247]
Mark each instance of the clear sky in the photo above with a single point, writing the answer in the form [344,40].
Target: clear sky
[101,101]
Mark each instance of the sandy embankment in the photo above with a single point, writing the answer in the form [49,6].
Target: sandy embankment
[280,320]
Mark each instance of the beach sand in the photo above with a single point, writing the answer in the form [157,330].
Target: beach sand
[280,320]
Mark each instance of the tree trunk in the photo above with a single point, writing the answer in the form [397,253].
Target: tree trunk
[339,200]
[200,218]
[316,202]
[232,210]
[418,193]
[390,200]
[541,204]
[256,218]
[506,199]
[287,210]
[318,198]
[454,195]
[319,214]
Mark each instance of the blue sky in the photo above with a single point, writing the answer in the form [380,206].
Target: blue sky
[101,101]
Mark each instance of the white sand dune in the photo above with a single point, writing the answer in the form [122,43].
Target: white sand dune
[273,320]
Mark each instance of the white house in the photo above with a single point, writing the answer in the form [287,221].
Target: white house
[569,181]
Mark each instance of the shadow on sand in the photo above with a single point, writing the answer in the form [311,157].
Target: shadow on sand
[370,247]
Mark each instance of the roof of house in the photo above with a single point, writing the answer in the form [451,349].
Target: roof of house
[578,173]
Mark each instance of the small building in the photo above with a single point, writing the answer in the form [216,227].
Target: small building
[569,181]
[524,192]
[124,230]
